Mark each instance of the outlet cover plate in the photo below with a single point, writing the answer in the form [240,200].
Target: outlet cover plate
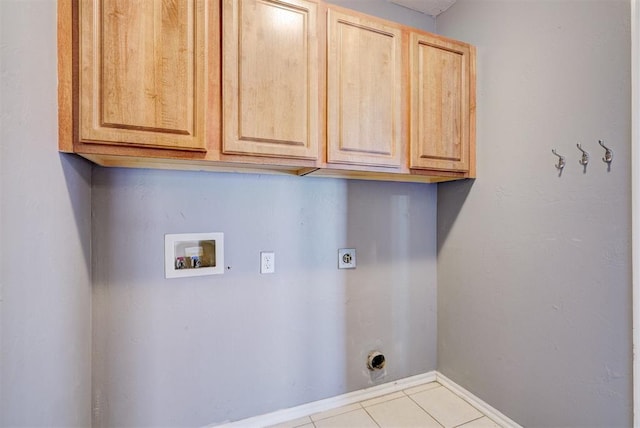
[347,258]
[267,262]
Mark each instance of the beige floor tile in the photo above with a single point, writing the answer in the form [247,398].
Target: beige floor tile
[483,422]
[355,419]
[300,422]
[400,413]
[423,387]
[446,407]
[333,412]
[382,399]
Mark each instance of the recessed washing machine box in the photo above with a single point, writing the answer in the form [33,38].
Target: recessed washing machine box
[193,254]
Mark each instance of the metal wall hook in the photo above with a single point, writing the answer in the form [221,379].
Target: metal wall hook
[585,156]
[561,160]
[608,154]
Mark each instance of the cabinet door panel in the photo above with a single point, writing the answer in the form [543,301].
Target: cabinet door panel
[142,72]
[271,78]
[364,90]
[440,109]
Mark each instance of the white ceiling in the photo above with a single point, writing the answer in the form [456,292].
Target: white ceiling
[430,7]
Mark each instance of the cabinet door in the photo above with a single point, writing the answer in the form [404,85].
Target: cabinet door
[441,105]
[271,84]
[142,72]
[364,92]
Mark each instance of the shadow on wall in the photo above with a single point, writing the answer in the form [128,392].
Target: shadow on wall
[451,197]
[391,295]
[77,175]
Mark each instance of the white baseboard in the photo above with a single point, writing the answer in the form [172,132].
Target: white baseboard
[331,403]
[367,393]
[493,413]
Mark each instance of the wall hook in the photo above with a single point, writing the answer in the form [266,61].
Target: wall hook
[585,156]
[561,160]
[608,154]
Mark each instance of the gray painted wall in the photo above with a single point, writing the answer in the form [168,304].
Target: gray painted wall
[45,226]
[195,351]
[534,270]
[387,10]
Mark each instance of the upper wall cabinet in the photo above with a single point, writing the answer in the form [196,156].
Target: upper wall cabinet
[142,73]
[364,90]
[280,86]
[271,78]
[442,113]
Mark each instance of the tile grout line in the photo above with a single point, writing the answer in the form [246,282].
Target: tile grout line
[337,414]
[476,419]
[482,413]
[371,416]
[489,411]
[425,410]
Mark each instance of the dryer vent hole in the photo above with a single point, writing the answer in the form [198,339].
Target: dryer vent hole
[376,361]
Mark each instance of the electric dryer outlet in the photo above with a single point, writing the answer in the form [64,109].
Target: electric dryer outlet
[346,258]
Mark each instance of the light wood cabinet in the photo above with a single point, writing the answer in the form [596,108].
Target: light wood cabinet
[442,113]
[142,73]
[293,87]
[364,90]
[271,78]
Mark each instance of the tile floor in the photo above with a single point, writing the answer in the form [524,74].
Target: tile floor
[428,405]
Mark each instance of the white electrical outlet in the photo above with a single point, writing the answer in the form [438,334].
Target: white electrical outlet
[346,258]
[267,262]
